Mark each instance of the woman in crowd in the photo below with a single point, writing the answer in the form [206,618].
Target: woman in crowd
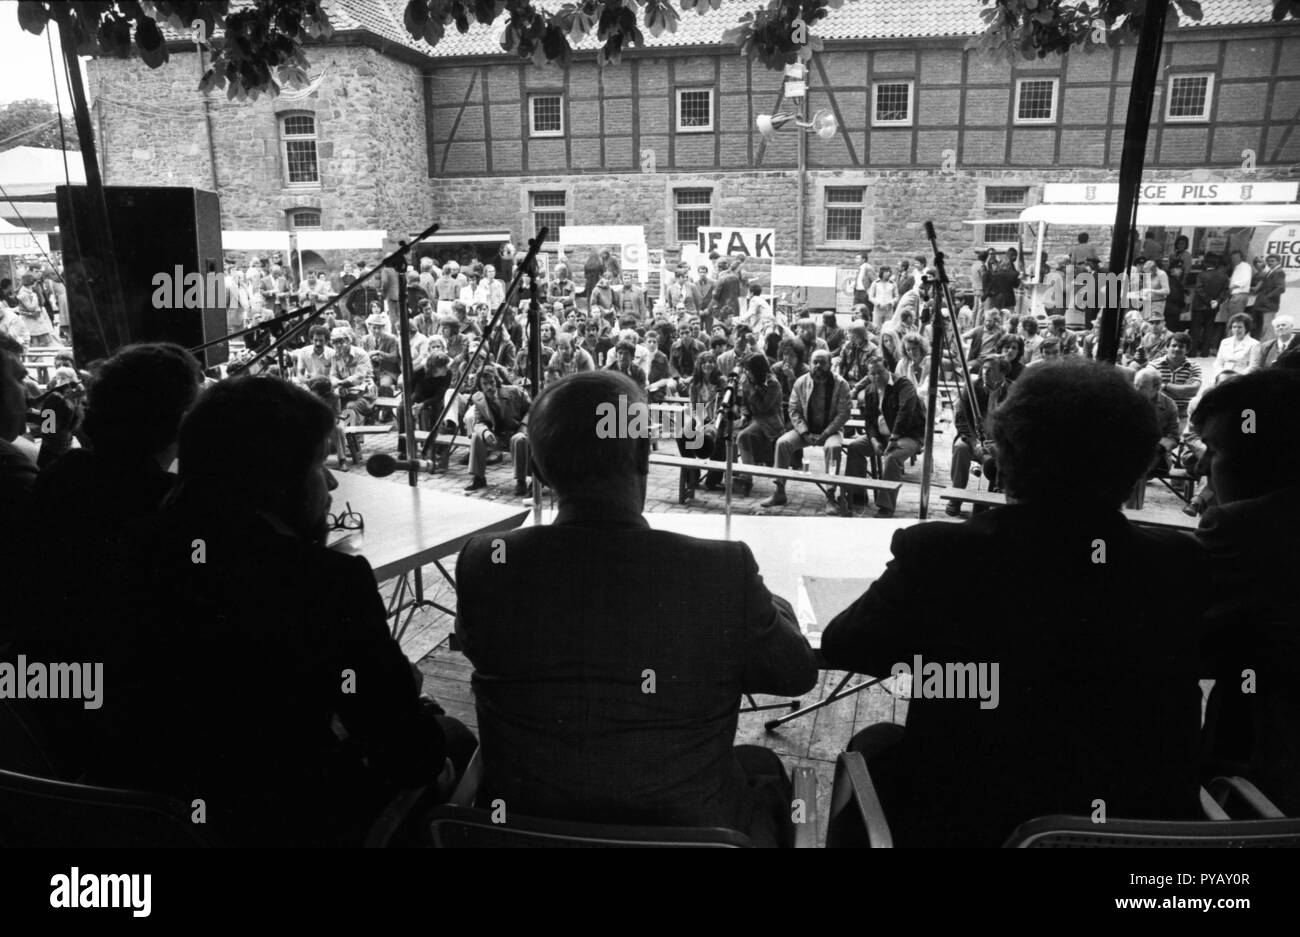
[1238,352]
[915,363]
[789,370]
[707,385]
[762,415]
[1012,350]
[561,288]
[1029,330]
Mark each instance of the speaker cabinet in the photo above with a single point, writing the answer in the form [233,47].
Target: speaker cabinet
[167,247]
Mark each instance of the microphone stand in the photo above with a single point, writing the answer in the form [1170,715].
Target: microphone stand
[727,407]
[307,322]
[534,349]
[397,263]
[943,301]
[512,291]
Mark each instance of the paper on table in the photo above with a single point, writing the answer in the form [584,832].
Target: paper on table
[821,598]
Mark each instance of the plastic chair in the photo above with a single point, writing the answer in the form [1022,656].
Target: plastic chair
[38,812]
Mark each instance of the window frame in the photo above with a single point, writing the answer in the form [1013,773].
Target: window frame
[534,211]
[1208,106]
[713,110]
[911,102]
[532,115]
[294,226]
[1012,220]
[827,204]
[1019,121]
[282,120]
[677,207]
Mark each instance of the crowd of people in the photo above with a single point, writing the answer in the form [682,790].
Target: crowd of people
[249,667]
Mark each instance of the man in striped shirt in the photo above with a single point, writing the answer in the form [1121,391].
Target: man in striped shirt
[1179,375]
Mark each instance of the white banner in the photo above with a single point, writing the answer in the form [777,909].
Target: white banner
[1163,193]
[752,242]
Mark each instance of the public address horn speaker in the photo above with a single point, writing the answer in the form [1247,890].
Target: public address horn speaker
[167,248]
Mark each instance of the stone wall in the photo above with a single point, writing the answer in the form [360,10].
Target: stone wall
[370,126]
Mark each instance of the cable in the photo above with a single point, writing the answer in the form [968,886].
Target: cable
[24,223]
[29,130]
[58,106]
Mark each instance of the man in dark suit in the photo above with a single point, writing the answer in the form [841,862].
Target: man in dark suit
[1085,701]
[252,638]
[610,708]
[726,294]
[1283,343]
[1268,298]
[894,415]
[1253,716]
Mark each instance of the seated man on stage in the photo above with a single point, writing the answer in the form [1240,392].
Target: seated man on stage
[497,420]
[352,378]
[819,408]
[609,711]
[972,441]
[1071,705]
[295,632]
[895,430]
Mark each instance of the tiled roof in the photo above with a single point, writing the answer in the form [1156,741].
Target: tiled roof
[856,19]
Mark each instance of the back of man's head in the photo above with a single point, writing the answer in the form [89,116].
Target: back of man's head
[1249,426]
[138,397]
[1050,412]
[254,441]
[569,431]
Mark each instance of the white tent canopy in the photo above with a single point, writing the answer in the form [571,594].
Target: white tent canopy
[15,241]
[255,240]
[1157,215]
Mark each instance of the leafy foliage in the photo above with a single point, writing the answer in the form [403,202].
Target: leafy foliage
[1038,28]
[32,122]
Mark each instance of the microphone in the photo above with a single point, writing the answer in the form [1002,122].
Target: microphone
[381,465]
[729,394]
[929,231]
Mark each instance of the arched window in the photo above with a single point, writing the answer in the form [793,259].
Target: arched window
[298,149]
[304,218]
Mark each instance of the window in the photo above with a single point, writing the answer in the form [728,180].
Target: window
[548,211]
[893,104]
[1035,100]
[304,218]
[298,144]
[1002,200]
[694,110]
[844,207]
[694,209]
[1189,97]
[546,115]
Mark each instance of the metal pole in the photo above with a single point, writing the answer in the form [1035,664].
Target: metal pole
[398,264]
[535,350]
[1146,74]
[936,370]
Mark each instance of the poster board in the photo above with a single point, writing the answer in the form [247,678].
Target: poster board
[756,245]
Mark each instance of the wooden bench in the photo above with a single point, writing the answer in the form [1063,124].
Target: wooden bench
[421,435]
[820,479]
[344,440]
[996,499]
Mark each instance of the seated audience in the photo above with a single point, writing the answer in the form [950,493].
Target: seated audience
[1180,376]
[1051,719]
[1238,352]
[352,378]
[611,711]
[1147,382]
[1282,345]
[761,423]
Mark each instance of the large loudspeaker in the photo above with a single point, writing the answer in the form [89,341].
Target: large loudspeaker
[167,246]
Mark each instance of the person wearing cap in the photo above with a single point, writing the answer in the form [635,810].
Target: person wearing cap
[352,378]
[1155,340]
[384,352]
[313,361]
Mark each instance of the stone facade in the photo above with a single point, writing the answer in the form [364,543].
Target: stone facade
[370,130]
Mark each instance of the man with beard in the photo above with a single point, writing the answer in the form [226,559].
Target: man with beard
[819,408]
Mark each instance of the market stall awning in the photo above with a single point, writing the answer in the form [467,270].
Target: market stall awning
[467,237]
[341,240]
[15,242]
[255,240]
[1162,215]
